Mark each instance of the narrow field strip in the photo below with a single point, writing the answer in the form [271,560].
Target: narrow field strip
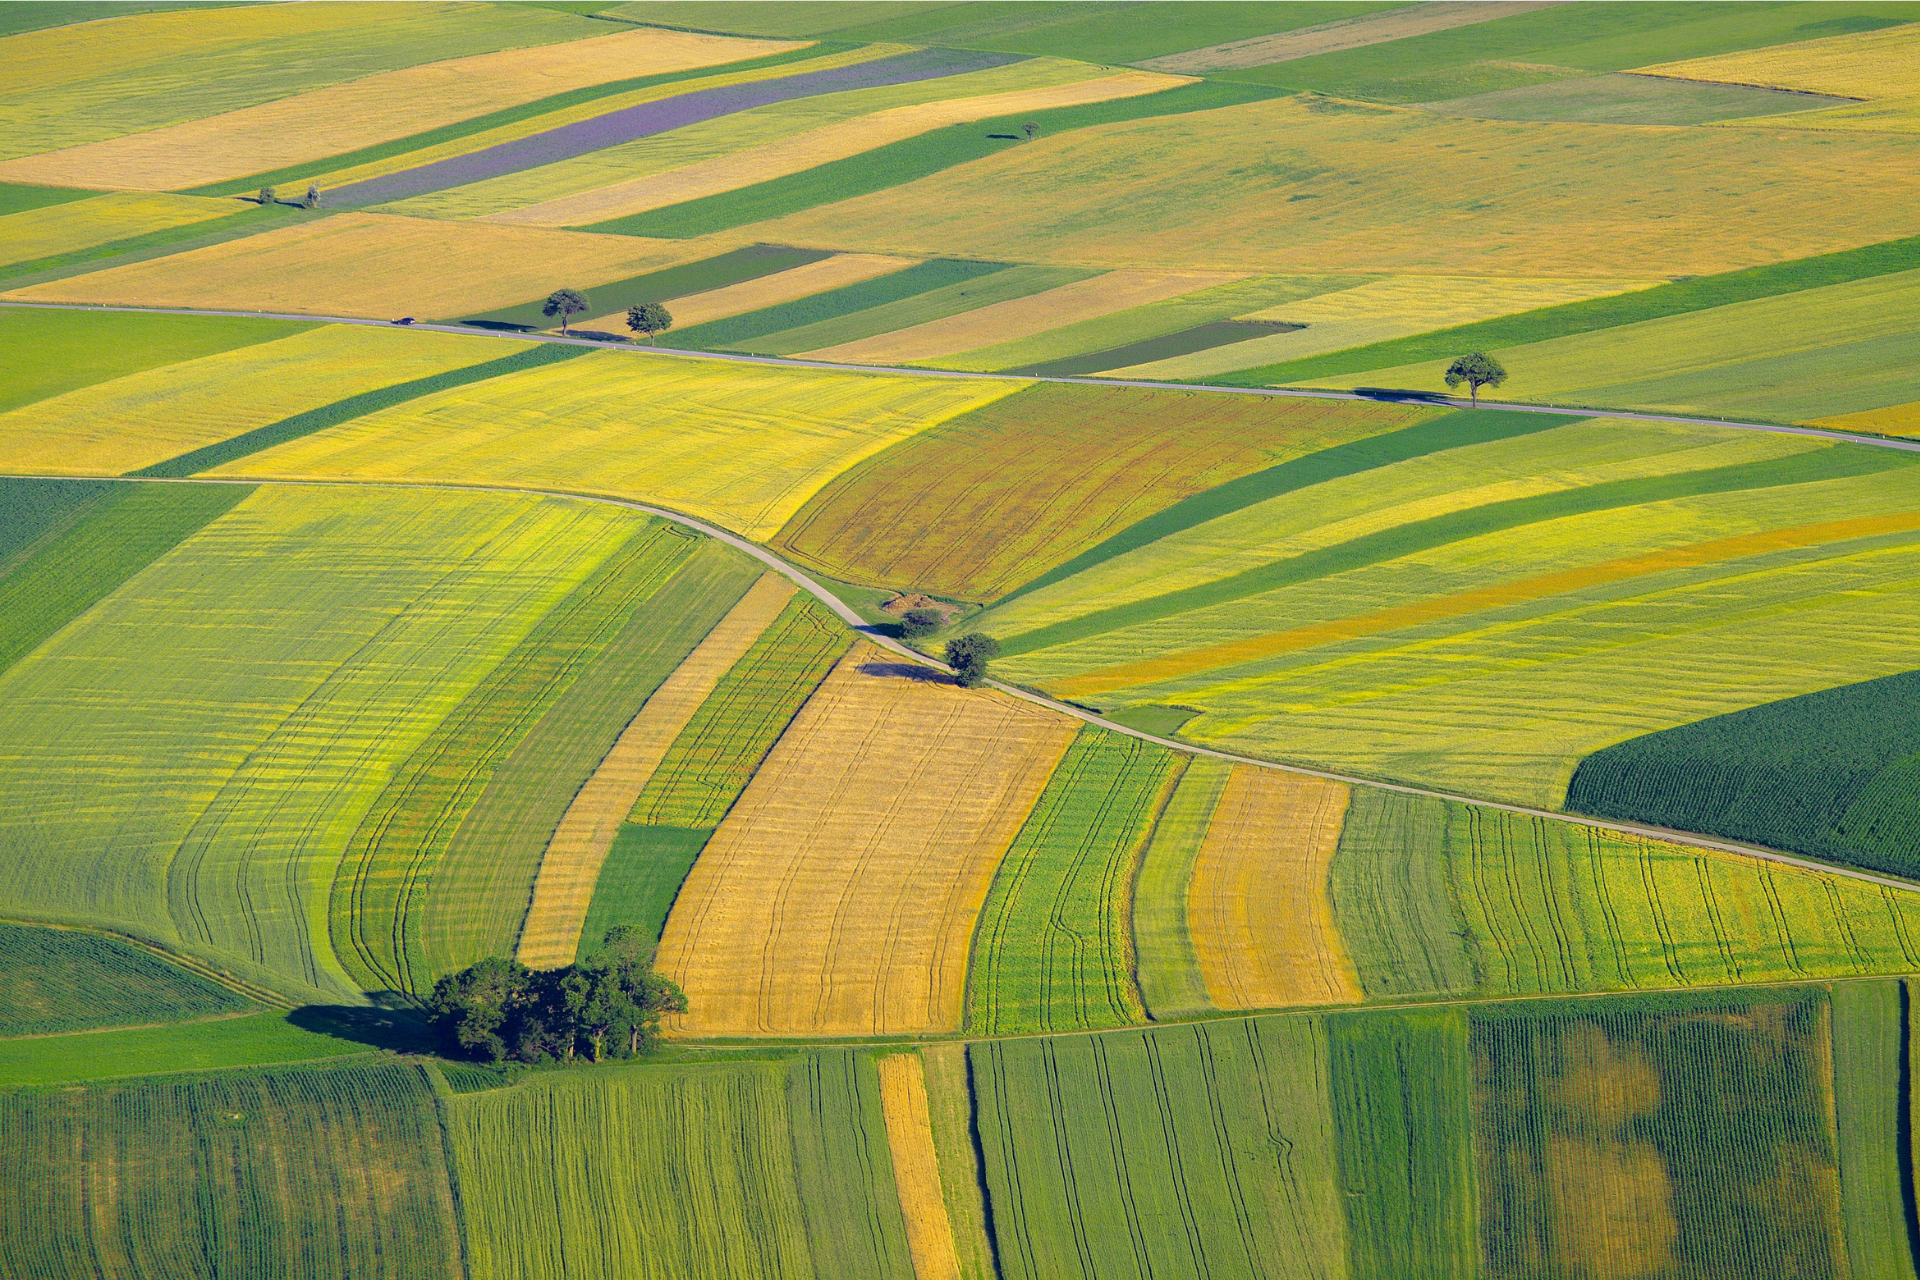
[916,1167]
[571,864]
[58,229]
[63,980]
[1259,911]
[641,876]
[761,331]
[838,896]
[922,308]
[373,109]
[1396,23]
[1168,968]
[835,272]
[702,275]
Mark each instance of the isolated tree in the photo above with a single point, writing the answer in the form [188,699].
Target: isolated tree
[565,303]
[968,656]
[1477,370]
[917,624]
[648,318]
[1030,128]
[266,196]
[313,196]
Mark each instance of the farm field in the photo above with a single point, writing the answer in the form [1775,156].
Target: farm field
[1029,732]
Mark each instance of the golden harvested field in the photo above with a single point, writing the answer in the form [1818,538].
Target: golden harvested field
[1377,311]
[1344,33]
[822,146]
[743,445]
[839,895]
[1866,64]
[767,291]
[114,427]
[916,1167]
[369,264]
[570,868]
[395,104]
[41,233]
[1318,185]
[1020,317]
[1258,907]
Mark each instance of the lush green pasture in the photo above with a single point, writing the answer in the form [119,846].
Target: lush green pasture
[1625,99]
[54,980]
[1672,1136]
[1165,962]
[1868,1021]
[717,272]
[980,504]
[1195,1151]
[642,875]
[1054,947]
[754,330]
[220,1043]
[1833,773]
[333,1171]
[1436,897]
[715,756]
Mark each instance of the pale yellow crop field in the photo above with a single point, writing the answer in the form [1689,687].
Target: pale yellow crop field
[394,104]
[826,144]
[570,868]
[1258,907]
[1377,311]
[1020,317]
[916,1167]
[370,264]
[114,427]
[840,894]
[750,295]
[1866,64]
[742,445]
[61,228]
[1320,186]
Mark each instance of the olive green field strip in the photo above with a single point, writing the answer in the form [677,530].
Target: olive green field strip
[644,869]
[247,1041]
[735,267]
[164,780]
[308,1172]
[838,339]
[55,980]
[90,548]
[1869,1022]
[761,331]
[569,867]
[981,503]
[1171,985]
[31,239]
[1053,950]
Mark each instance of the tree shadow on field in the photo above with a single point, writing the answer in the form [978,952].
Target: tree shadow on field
[905,671]
[1401,393]
[399,1030]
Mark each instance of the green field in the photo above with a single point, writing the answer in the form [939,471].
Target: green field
[717,272]
[642,875]
[842,1167]
[1054,947]
[1868,1021]
[45,353]
[54,980]
[762,330]
[1165,963]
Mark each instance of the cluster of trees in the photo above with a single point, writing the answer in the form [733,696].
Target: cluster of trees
[968,656]
[606,1006]
[646,318]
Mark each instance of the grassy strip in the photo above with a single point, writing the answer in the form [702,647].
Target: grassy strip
[253,1040]
[49,351]
[1595,313]
[902,162]
[1867,1079]
[1183,342]
[738,333]
[936,304]
[495,119]
[1451,431]
[1171,985]
[124,531]
[1834,463]
[155,244]
[305,424]
[60,980]
[18,197]
[750,263]
[32,512]
[843,1168]
[640,879]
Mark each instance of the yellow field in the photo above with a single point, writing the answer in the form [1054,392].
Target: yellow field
[1258,907]
[1021,317]
[767,291]
[1894,420]
[395,104]
[743,445]
[119,426]
[1377,311]
[370,264]
[839,895]
[570,869]
[41,233]
[916,1167]
[1333,187]
[1344,33]
[821,146]
[1868,64]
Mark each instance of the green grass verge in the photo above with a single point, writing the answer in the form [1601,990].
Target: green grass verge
[58,980]
[305,424]
[750,263]
[1869,1044]
[1168,968]
[903,162]
[1831,463]
[1053,950]
[638,882]
[1676,298]
[333,1171]
[120,530]
[843,1167]
[740,333]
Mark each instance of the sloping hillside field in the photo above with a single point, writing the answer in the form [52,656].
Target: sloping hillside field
[865,640]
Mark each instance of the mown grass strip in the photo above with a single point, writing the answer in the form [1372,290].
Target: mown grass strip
[56,980]
[124,530]
[216,1044]
[740,265]
[495,119]
[332,415]
[738,333]
[641,877]
[1831,463]
[1450,431]
[1183,342]
[1671,299]
[902,162]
